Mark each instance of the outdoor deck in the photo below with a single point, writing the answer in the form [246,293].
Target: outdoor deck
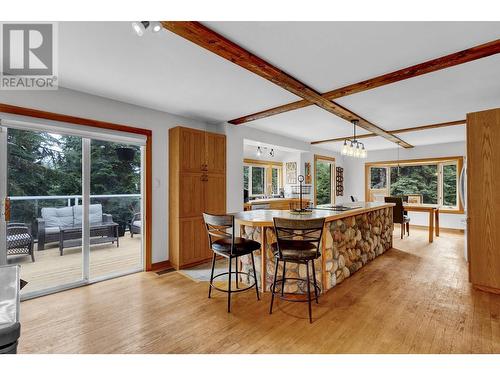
[50,269]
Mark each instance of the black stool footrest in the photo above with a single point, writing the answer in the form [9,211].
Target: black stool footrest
[277,285]
[233,290]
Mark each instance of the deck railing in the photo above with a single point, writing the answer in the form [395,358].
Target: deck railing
[28,208]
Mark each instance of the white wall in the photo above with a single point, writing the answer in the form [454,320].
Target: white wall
[250,152]
[79,104]
[355,175]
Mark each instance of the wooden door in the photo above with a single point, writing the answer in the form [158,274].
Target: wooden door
[216,153]
[191,194]
[193,241]
[483,198]
[192,150]
[215,193]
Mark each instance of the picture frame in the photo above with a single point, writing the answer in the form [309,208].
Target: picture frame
[291,172]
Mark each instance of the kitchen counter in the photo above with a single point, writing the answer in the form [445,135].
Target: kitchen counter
[275,203]
[351,239]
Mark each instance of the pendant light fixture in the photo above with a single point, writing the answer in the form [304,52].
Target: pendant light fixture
[353,147]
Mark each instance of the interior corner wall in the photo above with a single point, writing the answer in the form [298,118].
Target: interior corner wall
[235,155]
[355,175]
[75,103]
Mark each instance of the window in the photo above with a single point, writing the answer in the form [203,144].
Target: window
[275,180]
[425,181]
[324,175]
[258,180]
[378,179]
[450,178]
[420,180]
[262,178]
[246,172]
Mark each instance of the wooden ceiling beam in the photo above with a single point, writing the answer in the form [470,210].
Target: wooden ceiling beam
[397,131]
[457,58]
[216,43]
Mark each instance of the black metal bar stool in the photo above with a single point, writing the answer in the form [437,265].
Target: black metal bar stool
[220,229]
[297,241]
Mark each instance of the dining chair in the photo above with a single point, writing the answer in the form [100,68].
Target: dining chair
[398,214]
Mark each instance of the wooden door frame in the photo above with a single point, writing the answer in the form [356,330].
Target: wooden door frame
[52,116]
[328,159]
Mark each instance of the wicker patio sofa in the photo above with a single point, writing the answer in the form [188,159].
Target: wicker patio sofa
[54,218]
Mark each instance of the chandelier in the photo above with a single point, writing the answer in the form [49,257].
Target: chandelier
[353,147]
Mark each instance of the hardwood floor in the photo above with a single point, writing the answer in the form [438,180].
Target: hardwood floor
[413,299]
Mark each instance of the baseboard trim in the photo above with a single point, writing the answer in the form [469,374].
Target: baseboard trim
[441,229]
[486,289]
[160,266]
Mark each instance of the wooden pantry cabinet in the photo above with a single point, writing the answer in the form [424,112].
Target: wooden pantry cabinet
[197,184]
[483,199]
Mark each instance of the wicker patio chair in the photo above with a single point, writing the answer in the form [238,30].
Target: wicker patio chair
[135,224]
[19,240]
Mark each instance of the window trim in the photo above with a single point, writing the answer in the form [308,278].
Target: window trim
[330,160]
[268,167]
[440,162]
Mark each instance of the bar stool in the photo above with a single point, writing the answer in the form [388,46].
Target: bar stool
[297,241]
[220,229]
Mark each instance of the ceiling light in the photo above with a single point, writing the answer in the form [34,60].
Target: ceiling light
[155,26]
[353,147]
[345,148]
[140,27]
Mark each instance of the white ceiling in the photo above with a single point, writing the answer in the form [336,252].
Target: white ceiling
[165,72]
[161,71]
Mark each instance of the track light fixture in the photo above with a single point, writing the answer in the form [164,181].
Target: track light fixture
[259,151]
[140,27]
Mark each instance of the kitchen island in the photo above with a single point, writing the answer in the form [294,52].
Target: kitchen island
[351,239]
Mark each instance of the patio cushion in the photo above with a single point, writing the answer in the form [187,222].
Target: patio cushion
[9,333]
[136,223]
[95,214]
[57,217]
[51,230]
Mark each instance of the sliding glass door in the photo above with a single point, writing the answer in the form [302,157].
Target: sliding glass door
[71,209]
[115,208]
[43,180]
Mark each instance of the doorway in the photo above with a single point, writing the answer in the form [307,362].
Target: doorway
[73,205]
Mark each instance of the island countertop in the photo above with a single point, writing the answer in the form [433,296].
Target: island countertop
[350,240]
[265,217]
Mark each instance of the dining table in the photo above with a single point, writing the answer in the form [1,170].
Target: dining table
[433,210]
